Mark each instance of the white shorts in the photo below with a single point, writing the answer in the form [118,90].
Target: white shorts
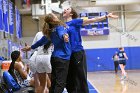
[40,63]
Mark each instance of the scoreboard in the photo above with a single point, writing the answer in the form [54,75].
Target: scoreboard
[96,28]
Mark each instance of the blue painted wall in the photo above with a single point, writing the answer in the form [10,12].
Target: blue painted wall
[101,59]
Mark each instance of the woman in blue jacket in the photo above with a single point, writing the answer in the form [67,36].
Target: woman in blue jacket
[77,75]
[55,31]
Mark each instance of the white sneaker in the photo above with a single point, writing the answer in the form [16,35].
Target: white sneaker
[123,77]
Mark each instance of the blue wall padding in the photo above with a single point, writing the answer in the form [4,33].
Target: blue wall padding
[101,59]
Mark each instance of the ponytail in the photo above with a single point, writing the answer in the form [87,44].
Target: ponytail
[14,56]
[46,46]
[46,30]
[11,70]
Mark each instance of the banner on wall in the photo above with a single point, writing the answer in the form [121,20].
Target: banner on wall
[1,16]
[11,18]
[5,16]
[18,23]
[97,28]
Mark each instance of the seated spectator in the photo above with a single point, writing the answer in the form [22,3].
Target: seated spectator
[20,71]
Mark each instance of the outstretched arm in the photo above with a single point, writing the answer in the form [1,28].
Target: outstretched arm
[41,42]
[92,20]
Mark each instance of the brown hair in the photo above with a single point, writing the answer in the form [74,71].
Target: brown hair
[50,24]
[120,48]
[74,13]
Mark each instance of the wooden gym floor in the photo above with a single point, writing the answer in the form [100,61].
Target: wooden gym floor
[109,82]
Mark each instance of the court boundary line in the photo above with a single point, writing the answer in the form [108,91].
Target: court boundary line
[94,87]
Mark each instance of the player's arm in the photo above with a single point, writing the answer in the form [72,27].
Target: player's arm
[92,20]
[125,56]
[40,42]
